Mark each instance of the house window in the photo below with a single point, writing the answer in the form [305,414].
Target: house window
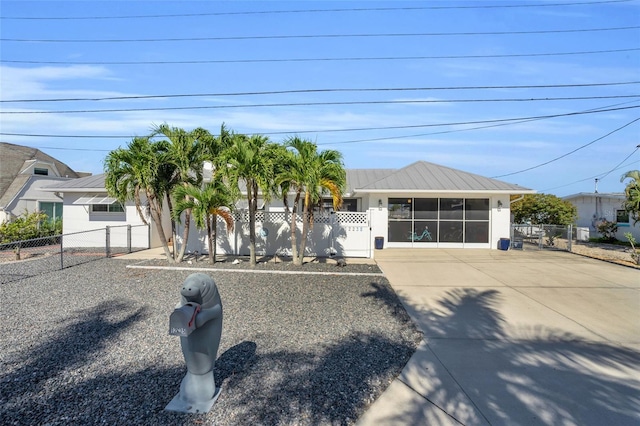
[107,208]
[41,171]
[622,217]
[445,220]
[348,204]
[52,210]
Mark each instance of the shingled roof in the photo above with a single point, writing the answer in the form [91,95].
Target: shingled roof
[12,161]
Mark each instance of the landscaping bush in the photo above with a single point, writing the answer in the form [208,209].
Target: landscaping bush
[29,226]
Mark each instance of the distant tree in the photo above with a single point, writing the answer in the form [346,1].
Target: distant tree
[544,209]
[632,194]
[135,171]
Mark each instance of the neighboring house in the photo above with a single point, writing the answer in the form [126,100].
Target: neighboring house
[87,207]
[422,205]
[594,207]
[24,172]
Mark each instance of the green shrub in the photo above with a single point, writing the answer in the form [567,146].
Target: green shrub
[607,230]
[29,226]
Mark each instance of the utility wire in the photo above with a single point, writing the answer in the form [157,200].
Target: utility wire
[618,165]
[311,36]
[270,12]
[499,124]
[346,59]
[334,90]
[415,101]
[506,121]
[568,153]
[589,178]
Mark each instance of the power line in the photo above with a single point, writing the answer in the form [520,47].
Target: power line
[618,165]
[515,120]
[311,36]
[589,178]
[415,101]
[334,90]
[568,153]
[346,59]
[373,9]
[269,12]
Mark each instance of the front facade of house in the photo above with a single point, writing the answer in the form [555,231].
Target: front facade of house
[423,205]
[87,207]
[594,207]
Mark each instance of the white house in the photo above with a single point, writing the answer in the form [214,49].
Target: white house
[594,207]
[422,205]
[87,207]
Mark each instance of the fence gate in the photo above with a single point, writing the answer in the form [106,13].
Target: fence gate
[542,237]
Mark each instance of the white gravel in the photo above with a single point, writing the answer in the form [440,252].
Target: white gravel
[89,345]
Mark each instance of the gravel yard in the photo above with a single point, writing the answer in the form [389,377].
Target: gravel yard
[89,345]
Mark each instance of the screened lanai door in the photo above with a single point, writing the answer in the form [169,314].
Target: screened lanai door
[439,222]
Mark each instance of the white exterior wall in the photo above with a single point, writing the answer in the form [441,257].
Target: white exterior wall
[78,218]
[590,212]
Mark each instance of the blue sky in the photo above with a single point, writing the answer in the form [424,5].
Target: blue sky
[441,48]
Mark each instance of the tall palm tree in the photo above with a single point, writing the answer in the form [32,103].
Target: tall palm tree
[135,172]
[310,175]
[185,155]
[632,194]
[206,204]
[250,160]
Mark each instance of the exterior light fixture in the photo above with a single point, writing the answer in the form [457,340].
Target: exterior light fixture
[499,205]
[379,204]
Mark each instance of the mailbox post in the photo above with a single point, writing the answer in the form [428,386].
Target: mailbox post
[197,319]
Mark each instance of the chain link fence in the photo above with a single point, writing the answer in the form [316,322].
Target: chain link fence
[26,258]
[542,237]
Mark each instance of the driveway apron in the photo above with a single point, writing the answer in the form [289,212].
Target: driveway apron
[514,337]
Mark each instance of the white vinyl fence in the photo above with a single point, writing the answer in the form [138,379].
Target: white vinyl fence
[344,234]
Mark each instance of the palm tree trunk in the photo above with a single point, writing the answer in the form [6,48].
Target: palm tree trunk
[305,229]
[294,239]
[212,253]
[157,219]
[214,234]
[253,206]
[185,235]
[173,226]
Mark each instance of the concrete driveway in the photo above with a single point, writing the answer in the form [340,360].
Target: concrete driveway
[514,338]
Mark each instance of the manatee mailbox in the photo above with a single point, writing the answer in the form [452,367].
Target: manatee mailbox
[197,319]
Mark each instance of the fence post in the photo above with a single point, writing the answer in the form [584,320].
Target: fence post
[108,241]
[61,251]
[570,237]
[128,238]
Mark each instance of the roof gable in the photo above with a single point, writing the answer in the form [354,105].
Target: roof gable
[17,157]
[430,177]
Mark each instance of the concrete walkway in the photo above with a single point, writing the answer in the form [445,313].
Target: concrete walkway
[516,338]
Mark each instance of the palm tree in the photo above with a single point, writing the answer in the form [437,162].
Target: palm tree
[250,159]
[206,204]
[310,175]
[632,194]
[185,155]
[135,172]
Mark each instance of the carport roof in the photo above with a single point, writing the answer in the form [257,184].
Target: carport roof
[423,176]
